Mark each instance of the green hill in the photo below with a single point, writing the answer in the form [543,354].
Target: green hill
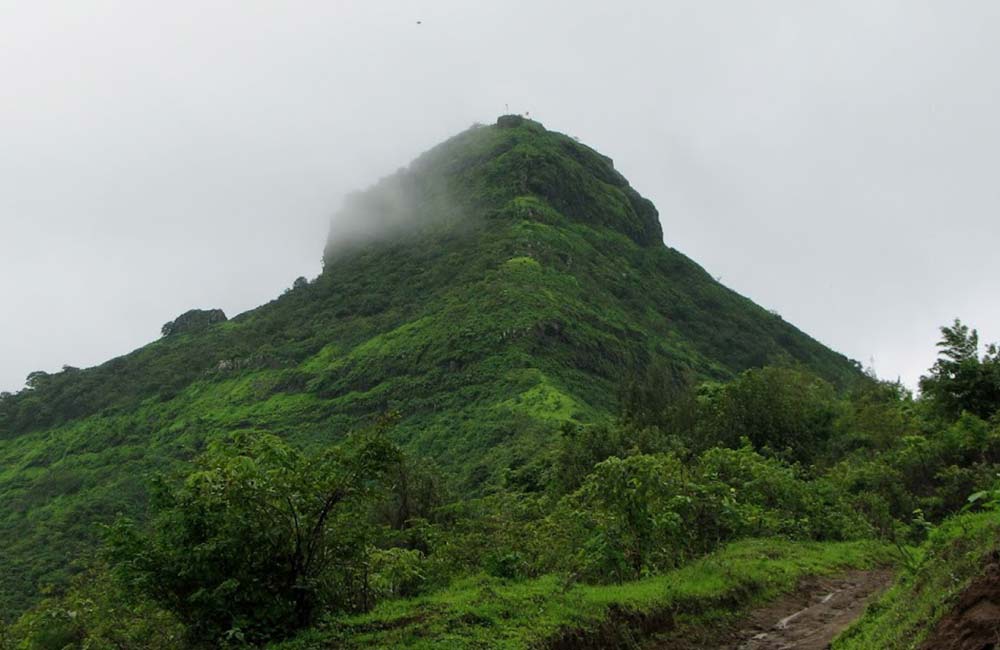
[507,281]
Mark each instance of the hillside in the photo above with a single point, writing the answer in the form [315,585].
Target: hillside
[504,283]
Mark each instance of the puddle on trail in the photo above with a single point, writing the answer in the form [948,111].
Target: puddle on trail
[807,619]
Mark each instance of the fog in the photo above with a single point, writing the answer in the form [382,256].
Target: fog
[397,207]
[386,211]
[835,162]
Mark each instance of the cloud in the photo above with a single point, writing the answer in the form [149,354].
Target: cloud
[831,161]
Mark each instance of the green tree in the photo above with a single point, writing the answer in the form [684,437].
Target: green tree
[960,380]
[785,410]
[662,395]
[416,490]
[580,448]
[260,539]
[632,512]
[876,415]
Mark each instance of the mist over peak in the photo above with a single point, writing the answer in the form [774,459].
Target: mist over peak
[513,169]
[385,210]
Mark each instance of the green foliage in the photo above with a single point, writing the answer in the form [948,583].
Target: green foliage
[985,499]
[529,285]
[396,572]
[787,411]
[662,396]
[505,534]
[95,614]
[417,489]
[259,539]
[642,514]
[265,540]
[771,497]
[484,612]
[578,404]
[875,416]
[951,558]
[636,509]
[934,472]
[961,381]
[581,448]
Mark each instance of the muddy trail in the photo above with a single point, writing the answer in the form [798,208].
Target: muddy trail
[807,619]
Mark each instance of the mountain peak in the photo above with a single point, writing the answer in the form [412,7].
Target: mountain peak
[506,283]
[514,169]
[512,121]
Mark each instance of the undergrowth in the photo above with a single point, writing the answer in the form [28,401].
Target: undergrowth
[952,557]
[548,612]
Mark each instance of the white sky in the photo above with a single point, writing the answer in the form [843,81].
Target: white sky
[834,161]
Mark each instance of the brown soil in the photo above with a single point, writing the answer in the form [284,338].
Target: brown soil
[807,619]
[974,621]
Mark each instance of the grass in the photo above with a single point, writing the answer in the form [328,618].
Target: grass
[952,557]
[548,612]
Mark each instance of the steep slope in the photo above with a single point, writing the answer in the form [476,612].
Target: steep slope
[505,282]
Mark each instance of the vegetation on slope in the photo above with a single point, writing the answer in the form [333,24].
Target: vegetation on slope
[547,405]
[582,544]
[518,283]
[485,612]
[958,553]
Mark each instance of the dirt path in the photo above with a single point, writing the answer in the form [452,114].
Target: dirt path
[807,619]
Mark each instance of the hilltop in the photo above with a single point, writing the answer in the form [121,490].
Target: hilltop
[506,283]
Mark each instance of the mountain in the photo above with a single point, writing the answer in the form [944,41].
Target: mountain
[504,283]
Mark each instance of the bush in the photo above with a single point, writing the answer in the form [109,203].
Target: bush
[95,613]
[645,513]
[259,540]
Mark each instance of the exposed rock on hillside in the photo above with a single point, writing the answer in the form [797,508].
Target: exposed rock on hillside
[194,320]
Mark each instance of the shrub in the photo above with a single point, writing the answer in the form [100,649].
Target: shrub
[260,539]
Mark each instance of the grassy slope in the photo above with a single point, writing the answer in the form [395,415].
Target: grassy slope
[489,613]
[533,281]
[953,556]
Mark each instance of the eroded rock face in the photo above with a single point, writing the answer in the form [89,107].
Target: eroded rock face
[510,121]
[973,623]
[194,320]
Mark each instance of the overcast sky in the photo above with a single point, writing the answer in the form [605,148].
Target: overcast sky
[834,161]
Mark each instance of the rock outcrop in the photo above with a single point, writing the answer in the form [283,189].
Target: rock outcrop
[194,320]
